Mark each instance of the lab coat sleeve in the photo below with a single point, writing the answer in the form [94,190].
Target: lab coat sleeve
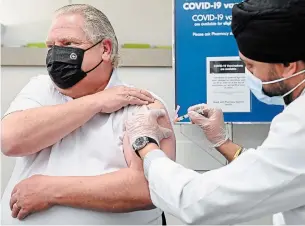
[260,182]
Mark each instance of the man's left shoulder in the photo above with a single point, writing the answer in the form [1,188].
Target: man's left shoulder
[159,103]
[297,107]
[291,119]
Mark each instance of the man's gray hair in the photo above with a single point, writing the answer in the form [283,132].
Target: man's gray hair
[97,26]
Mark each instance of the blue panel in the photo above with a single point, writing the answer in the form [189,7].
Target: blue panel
[191,52]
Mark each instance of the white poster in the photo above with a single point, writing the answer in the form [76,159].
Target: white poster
[226,88]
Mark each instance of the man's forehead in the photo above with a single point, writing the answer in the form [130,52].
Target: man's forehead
[243,58]
[67,26]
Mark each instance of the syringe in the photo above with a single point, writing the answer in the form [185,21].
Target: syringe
[181,118]
[186,116]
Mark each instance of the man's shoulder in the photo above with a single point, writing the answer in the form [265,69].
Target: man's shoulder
[292,116]
[159,101]
[158,104]
[41,87]
[41,80]
[297,107]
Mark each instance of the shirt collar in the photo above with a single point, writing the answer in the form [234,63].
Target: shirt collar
[303,92]
[114,80]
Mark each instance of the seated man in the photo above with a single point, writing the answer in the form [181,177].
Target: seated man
[67,129]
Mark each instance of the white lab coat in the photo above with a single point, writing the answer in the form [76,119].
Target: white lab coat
[265,181]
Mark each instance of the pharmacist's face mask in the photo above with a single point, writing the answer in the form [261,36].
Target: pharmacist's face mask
[64,65]
[256,86]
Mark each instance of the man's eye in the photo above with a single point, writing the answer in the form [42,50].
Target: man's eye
[68,43]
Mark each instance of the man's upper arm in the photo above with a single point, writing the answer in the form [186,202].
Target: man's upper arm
[31,96]
[167,145]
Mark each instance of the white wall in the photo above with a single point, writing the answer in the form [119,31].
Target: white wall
[135,21]
[147,21]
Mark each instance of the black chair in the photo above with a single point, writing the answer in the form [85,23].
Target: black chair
[163,219]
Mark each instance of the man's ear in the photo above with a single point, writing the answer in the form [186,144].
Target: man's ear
[289,69]
[106,49]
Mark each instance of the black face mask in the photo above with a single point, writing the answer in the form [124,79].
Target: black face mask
[64,65]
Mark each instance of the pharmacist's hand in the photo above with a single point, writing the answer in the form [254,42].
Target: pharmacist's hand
[145,124]
[211,121]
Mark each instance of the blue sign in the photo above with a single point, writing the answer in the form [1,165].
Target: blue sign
[207,66]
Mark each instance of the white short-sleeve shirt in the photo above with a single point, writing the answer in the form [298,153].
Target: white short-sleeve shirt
[93,149]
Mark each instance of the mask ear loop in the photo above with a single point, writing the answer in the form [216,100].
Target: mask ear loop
[282,79]
[99,62]
[294,88]
[94,67]
[94,45]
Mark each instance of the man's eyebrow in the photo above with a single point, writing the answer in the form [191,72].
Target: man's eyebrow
[69,39]
[65,39]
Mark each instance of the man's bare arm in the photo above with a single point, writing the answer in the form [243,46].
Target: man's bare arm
[123,191]
[167,145]
[29,131]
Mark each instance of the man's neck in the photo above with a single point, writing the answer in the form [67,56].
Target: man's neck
[102,87]
[298,92]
